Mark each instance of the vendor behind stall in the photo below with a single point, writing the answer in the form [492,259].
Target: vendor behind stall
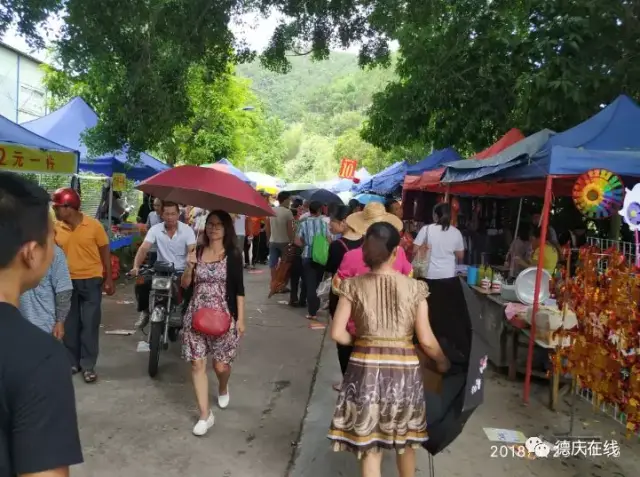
[520,249]
[550,259]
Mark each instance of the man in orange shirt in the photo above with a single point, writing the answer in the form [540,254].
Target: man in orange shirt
[252,241]
[86,246]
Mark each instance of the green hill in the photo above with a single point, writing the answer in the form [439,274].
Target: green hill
[323,105]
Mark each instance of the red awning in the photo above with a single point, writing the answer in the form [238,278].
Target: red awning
[562,187]
[510,138]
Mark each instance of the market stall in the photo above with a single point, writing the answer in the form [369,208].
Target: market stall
[607,141]
[24,151]
[114,170]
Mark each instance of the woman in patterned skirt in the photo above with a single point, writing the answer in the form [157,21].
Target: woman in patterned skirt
[381,404]
[215,269]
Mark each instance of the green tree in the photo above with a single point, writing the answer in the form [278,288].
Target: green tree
[142,52]
[314,161]
[225,120]
[470,70]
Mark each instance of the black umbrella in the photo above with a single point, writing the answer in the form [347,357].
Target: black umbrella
[321,195]
[456,320]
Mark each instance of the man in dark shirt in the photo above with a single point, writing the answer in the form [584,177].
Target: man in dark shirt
[38,423]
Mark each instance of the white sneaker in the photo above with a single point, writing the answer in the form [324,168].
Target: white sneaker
[223,400]
[203,426]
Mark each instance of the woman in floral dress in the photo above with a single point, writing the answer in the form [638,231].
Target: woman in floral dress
[215,269]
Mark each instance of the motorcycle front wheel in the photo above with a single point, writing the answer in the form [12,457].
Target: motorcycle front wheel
[155,344]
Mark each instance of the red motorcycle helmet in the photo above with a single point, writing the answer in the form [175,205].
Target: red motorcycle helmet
[66,197]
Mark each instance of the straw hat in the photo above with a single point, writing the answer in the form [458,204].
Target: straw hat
[373,213]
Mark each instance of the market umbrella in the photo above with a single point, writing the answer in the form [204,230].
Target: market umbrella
[364,199]
[298,188]
[206,188]
[321,195]
[456,320]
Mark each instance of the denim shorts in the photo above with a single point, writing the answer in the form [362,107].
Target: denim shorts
[276,252]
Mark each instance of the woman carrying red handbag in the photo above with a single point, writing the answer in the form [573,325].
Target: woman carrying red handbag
[214,321]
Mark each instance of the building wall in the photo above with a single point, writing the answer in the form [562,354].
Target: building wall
[22,94]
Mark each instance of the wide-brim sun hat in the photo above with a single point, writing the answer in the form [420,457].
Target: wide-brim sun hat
[372,213]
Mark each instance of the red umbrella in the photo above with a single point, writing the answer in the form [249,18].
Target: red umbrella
[207,188]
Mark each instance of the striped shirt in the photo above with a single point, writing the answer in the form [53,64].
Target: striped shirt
[38,305]
[308,229]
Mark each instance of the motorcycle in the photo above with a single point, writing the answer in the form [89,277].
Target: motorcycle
[165,317]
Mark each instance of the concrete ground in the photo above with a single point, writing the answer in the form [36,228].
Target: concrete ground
[471,454]
[135,426]
[281,406]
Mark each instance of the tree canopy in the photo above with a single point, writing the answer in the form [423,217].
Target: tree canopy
[470,70]
[141,52]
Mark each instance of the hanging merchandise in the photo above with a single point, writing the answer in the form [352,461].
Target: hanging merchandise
[631,215]
[598,193]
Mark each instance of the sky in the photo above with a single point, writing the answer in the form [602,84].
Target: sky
[256,29]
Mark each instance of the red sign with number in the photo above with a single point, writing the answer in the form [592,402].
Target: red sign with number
[347,168]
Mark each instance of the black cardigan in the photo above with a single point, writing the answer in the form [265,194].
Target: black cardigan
[235,279]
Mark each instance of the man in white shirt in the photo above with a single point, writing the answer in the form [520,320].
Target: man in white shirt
[174,241]
[279,231]
[154,218]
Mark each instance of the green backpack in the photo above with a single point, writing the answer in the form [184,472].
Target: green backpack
[320,249]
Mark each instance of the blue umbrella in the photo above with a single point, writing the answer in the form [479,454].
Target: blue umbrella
[364,199]
[226,166]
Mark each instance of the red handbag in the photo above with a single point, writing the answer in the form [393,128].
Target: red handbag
[211,322]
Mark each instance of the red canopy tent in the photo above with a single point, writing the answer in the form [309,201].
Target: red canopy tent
[511,137]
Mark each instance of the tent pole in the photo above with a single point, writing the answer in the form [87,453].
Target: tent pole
[110,208]
[515,233]
[536,294]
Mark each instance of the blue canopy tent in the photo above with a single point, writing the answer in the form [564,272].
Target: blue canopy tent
[614,128]
[66,125]
[433,161]
[386,181]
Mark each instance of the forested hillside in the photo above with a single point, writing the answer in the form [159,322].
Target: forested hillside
[323,106]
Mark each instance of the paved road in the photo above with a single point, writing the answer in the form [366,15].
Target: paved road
[133,426]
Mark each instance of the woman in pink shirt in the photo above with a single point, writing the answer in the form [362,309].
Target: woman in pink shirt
[353,265]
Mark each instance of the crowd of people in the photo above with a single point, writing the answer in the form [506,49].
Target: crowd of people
[53,275]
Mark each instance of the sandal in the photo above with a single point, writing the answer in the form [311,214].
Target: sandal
[312,318]
[74,370]
[337,387]
[90,377]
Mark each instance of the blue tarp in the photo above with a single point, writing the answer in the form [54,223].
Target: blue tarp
[386,181]
[66,125]
[614,131]
[514,155]
[434,160]
[11,132]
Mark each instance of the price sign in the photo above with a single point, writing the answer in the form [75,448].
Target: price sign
[14,157]
[347,168]
[119,182]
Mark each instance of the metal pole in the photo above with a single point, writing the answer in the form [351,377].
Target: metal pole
[536,302]
[515,234]
[110,182]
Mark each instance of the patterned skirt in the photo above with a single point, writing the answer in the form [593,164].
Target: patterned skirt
[381,404]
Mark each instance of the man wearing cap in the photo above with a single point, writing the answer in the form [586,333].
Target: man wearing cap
[86,246]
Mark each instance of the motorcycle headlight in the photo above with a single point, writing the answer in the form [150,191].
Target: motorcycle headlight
[161,283]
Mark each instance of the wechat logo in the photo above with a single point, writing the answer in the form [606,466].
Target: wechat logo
[536,446]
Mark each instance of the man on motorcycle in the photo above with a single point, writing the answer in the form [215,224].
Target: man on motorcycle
[174,240]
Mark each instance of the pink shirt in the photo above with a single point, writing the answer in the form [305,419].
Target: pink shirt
[353,265]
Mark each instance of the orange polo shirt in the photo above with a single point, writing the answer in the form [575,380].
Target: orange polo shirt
[81,246]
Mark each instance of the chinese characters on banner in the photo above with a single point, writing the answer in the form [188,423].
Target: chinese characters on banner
[14,157]
[119,182]
[347,168]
